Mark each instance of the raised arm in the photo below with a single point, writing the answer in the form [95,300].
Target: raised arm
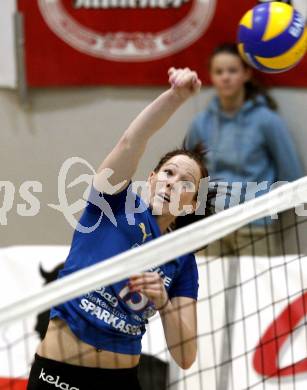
[124,158]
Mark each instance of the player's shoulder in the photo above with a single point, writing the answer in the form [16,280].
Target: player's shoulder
[187,260]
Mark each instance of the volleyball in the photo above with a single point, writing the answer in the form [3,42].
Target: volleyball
[272,37]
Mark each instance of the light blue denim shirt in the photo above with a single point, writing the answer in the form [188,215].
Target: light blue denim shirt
[252,146]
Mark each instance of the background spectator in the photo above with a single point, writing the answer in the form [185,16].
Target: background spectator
[248,142]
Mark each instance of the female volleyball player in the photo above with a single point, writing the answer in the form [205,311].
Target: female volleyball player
[247,142]
[94,341]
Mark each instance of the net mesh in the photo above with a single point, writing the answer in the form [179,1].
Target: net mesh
[251,310]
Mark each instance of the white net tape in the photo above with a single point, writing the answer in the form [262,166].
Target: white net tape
[163,249]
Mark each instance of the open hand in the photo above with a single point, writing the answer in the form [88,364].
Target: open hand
[151,285]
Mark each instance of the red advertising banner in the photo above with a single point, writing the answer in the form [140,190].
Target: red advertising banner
[130,42]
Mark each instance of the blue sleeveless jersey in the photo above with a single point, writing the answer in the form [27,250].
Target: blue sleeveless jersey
[111,318]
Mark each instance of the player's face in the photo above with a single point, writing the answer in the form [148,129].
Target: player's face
[228,75]
[174,187]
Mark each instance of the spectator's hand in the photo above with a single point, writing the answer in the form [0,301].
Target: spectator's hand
[151,285]
[184,82]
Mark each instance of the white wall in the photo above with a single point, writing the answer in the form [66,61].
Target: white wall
[62,123]
[7,44]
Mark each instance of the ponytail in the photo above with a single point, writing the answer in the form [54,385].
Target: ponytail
[254,89]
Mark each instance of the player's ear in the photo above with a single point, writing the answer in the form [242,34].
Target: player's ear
[151,176]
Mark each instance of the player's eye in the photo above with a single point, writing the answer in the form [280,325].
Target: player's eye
[233,70]
[169,172]
[218,72]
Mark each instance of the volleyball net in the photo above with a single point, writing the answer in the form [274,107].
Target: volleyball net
[251,310]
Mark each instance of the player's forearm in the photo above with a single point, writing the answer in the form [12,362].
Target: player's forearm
[153,117]
[180,337]
[124,158]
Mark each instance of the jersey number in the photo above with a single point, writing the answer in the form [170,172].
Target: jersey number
[141,303]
